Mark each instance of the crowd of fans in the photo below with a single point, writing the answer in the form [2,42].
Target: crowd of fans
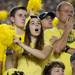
[37,42]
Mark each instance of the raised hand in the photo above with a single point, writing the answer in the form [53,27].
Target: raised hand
[69,23]
[16,40]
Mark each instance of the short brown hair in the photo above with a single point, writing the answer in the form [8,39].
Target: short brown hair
[62,4]
[13,10]
[48,68]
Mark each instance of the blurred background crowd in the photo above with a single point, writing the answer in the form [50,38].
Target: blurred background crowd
[62,36]
[48,5]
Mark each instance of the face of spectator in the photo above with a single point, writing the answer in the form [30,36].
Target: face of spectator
[65,11]
[47,22]
[35,26]
[57,71]
[19,18]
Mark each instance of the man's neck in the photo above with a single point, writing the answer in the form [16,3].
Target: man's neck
[19,31]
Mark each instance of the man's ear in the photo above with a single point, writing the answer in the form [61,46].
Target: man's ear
[12,19]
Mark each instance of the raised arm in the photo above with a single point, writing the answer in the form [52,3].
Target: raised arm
[40,54]
[62,42]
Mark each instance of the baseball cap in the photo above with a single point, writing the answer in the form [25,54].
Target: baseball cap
[45,14]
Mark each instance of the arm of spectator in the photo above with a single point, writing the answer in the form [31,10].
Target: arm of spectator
[60,44]
[0,67]
[40,54]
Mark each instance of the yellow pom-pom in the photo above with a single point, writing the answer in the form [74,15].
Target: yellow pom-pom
[55,21]
[3,15]
[34,5]
[6,34]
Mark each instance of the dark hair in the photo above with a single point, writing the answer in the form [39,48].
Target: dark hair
[13,11]
[48,68]
[40,39]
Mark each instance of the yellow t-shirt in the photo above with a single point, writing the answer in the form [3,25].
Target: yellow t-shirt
[51,34]
[30,65]
[71,39]
[65,58]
